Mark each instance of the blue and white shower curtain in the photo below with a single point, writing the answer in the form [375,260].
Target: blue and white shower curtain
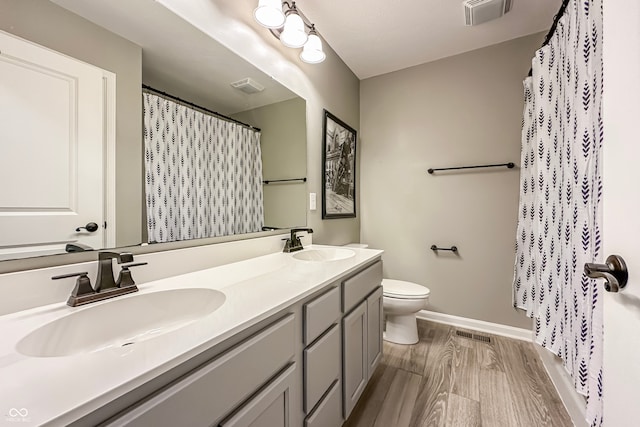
[560,198]
[203,174]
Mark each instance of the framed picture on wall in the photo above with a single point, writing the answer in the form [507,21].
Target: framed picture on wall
[339,169]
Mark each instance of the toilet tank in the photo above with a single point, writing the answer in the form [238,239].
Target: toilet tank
[357,245]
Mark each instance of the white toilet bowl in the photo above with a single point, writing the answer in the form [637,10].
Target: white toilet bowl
[401,301]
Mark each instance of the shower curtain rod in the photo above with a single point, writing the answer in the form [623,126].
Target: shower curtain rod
[191,104]
[552,30]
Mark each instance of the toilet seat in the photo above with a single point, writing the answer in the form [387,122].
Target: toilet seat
[403,290]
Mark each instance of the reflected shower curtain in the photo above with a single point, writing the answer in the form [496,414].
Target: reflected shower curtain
[560,198]
[203,174]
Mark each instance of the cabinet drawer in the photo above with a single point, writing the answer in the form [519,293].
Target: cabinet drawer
[328,413]
[321,313]
[321,367]
[269,408]
[356,288]
[213,390]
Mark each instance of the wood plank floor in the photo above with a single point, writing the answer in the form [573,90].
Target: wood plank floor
[452,381]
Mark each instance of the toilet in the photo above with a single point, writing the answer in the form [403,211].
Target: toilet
[401,301]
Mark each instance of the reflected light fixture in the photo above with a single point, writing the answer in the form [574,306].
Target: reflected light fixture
[289,25]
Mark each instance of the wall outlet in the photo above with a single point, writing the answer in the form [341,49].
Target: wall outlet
[312,201]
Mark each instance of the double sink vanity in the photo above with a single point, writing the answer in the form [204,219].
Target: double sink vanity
[284,339]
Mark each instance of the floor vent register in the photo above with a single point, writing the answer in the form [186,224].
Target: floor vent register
[471,336]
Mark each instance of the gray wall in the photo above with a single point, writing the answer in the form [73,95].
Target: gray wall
[284,156]
[461,110]
[51,26]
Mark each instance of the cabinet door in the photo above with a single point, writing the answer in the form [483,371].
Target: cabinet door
[354,356]
[269,408]
[374,330]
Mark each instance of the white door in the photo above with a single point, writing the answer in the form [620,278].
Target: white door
[621,235]
[51,150]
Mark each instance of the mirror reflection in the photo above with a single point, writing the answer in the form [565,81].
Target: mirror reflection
[95,161]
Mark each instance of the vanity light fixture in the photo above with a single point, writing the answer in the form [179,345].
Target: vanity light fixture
[287,23]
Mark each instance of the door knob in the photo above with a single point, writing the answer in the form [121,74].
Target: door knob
[90,227]
[614,271]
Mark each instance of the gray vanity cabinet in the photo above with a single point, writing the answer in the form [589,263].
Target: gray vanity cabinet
[306,366]
[361,332]
[242,374]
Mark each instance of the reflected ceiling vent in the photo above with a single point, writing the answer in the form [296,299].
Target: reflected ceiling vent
[248,85]
[478,11]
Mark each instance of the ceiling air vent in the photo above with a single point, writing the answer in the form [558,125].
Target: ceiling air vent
[248,85]
[478,11]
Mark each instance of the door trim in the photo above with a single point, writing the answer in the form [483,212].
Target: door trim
[109,144]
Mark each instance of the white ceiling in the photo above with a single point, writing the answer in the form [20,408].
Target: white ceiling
[375,37]
[372,37]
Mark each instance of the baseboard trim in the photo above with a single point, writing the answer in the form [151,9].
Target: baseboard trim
[575,404]
[477,325]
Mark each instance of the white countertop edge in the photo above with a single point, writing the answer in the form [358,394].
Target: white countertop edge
[296,281]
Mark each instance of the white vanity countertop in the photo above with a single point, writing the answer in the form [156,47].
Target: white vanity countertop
[60,390]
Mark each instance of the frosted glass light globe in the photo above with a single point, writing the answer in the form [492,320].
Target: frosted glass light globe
[269,13]
[293,34]
[312,52]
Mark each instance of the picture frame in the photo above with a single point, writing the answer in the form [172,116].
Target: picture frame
[338,168]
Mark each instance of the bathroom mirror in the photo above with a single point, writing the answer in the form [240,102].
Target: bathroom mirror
[141,42]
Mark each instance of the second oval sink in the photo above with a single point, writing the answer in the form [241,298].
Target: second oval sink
[120,322]
[324,255]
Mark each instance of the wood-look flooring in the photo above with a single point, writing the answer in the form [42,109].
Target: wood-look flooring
[453,381]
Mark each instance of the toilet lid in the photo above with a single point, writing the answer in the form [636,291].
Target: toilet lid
[402,289]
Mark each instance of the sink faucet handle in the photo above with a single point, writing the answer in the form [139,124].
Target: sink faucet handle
[83,284]
[125,257]
[124,278]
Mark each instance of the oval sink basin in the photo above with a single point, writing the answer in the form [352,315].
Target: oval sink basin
[324,255]
[120,322]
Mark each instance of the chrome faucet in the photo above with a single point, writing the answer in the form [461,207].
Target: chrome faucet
[294,244]
[106,286]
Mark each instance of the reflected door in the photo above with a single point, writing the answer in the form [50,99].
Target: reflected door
[51,150]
